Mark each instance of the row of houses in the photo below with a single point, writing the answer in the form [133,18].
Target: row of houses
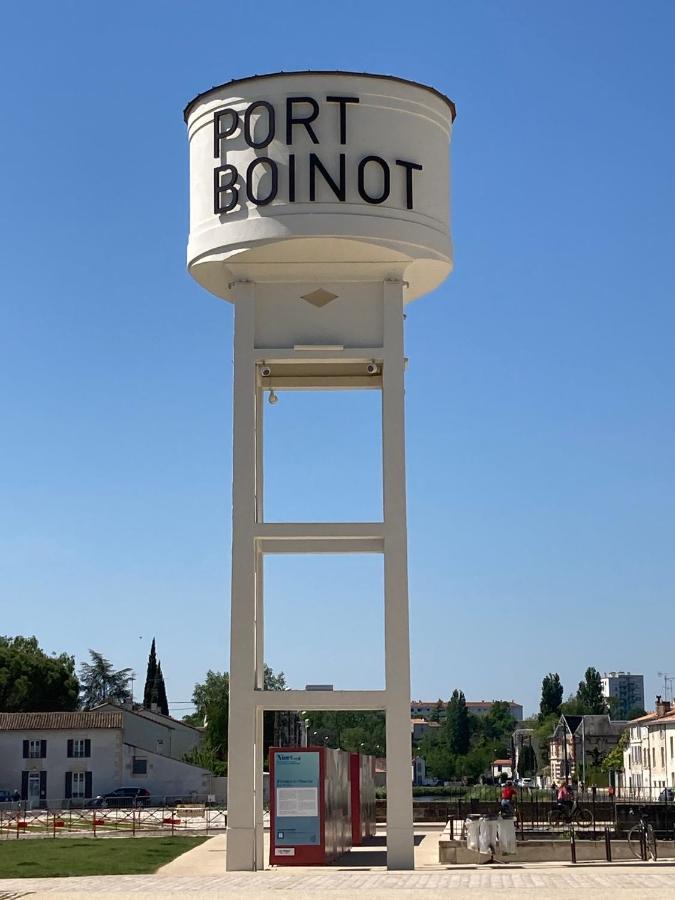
[649,755]
[49,757]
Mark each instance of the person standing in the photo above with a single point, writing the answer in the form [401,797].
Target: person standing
[509,795]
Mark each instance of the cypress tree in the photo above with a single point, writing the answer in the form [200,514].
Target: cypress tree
[161,701]
[150,678]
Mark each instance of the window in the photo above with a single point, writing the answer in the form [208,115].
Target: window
[34,749]
[653,757]
[671,745]
[78,785]
[663,756]
[139,766]
[79,748]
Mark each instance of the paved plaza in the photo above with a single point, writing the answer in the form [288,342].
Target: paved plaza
[597,882]
[201,873]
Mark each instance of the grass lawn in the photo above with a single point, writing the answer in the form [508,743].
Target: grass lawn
[89,856]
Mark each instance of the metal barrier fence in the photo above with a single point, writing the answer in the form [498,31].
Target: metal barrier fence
[174,820]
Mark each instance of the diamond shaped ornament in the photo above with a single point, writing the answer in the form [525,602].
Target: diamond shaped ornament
[319,298]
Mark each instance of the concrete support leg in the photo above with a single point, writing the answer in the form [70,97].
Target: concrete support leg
[241,803]
[400,840]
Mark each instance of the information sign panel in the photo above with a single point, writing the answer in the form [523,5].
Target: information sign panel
[296,786]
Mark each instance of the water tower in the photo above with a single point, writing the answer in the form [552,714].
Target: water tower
[319,207]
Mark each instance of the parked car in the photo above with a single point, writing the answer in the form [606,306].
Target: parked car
[121,797]
[5,796]
[668,794]
[526,783]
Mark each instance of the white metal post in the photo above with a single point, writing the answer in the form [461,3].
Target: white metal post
[241,800]
[400,841]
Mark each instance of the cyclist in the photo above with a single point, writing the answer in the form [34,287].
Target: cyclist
[565,797]
[509,795]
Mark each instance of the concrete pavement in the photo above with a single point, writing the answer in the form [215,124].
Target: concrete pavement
[601,882]
[201,873]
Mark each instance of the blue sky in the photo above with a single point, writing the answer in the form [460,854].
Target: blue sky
[540,401]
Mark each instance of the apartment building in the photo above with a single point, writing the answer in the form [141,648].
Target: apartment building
[625,691]
[424,709]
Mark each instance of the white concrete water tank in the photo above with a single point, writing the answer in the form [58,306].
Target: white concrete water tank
[315,176]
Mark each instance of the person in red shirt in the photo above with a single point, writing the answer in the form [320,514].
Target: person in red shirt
[509,795]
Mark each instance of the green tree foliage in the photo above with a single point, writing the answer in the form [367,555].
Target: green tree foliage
[212,703]
[32,681]
[613,761]
[551,695]
[272,682]
[211,699]
[457,727]
[497,727]
[439,761]
[151,675]
[101,683]
[154,692]
[363,732]
[589,693]
[162,701]
[543,733]
[635,712]
[437,713]
[465,745]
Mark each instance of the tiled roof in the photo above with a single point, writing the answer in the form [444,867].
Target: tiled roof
[45,721]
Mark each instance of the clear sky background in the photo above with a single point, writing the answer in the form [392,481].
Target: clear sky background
[540,390]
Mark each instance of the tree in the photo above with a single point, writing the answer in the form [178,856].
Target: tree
[439,761]
[437,713]
[358,731]
[613,761]
[162,701]
[150,676]
[589,693]
[635,712]
[211,699]
[154,693]
[498,723]
[457,726]
[272,682]
[551,695]
[100,683]
[31,681]
[543,733]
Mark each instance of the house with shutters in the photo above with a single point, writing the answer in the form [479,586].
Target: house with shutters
[56,758]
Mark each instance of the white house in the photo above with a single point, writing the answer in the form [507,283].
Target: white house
[50,757]
[649,758]
[502,767]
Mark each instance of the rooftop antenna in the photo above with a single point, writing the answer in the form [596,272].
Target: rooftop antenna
[667,684]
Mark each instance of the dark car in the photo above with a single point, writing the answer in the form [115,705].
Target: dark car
[667,795]
[121,797]
[5,796]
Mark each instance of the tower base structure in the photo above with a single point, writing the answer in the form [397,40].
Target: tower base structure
[258,369]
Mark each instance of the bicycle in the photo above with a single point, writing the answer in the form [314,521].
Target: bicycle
[642,836]
[581,816]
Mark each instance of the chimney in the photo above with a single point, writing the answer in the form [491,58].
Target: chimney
[662,706]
